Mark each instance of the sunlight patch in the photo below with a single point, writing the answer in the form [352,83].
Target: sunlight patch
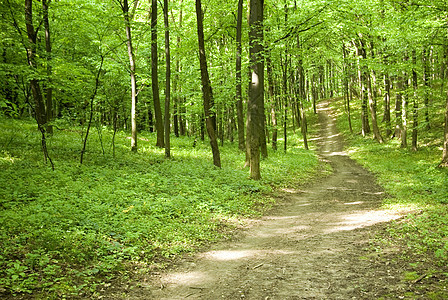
[226,255]
[189,278]
[362,219]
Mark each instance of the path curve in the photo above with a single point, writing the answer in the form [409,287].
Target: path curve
[313,247]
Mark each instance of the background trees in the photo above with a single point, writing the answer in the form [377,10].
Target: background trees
[388,55]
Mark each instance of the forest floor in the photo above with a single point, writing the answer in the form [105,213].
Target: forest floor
[315,245]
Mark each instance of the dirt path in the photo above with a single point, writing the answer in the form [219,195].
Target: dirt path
[313,247]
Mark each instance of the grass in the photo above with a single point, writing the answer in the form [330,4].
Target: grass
[70,231]
[415,184]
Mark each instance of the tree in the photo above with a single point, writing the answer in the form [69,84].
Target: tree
[48,89]
[168,80]
[207,93]
[239,96]
[445,138]
[155,77]
[39,107]
[127,18]
[255,104]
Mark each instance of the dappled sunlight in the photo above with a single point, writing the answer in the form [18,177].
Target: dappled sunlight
[354,203]
[361,219]
[229,255]
[188,278]
[335,153]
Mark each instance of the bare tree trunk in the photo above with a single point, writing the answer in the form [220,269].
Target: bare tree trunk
[444,162]
[273,102]
[415,106]
[427,87]
[404,116]
[386,117]
[206,88]
[239,98]
[48,89]
[127,18]
[155,77]
[255,105]
[168,80]
[398,108]
[304,127]
[39,107]
[285,105]
[347,83]
[372,106]
[89,124]
[362,76]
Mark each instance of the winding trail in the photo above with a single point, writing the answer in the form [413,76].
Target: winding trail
[312,247]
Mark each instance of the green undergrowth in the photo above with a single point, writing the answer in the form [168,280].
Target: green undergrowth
[68,231]
[413,181]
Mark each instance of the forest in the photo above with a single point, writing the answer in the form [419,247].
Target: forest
[133,132]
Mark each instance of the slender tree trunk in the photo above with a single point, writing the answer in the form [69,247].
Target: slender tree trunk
[89,124]
[386,116]
[362,76]
[39,107]
[127,18]
[415,106]
[206,88]
[273,102]
[444,162]
[48,88]
[398,108]
[314,93]
[372,106]
[304,127]
[255,105]
[180,99]
[347,88]
[239,97]
[155,77]
[285,106]
[168,80]
[404,116]
[427,88]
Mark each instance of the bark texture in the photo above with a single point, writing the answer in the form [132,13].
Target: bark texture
[207,93]
[255,107]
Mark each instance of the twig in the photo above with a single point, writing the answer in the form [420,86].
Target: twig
[419,279]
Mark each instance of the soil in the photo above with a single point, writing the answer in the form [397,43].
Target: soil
[315,245]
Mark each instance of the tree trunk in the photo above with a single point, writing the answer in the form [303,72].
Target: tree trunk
[372,106]
[415,106]
[48,89]
[206,88]
[404,116]
[304,126]
[155,77]
[444,162]
[255,105]
[362,76]
[427,88]
[127,19]
[285,105]
[273,102]
[239,98]
[347,83]
[386,116]
[168,80]
[398,108]
[39,108]
[178,119]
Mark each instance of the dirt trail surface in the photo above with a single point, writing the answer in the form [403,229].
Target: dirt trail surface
[312,247]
